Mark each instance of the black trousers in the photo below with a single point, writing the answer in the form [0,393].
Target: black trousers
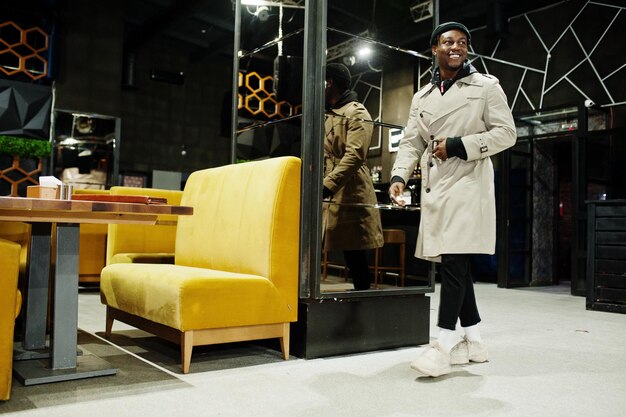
[356,261]
[457,299]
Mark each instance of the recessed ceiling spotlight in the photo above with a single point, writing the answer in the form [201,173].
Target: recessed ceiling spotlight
[364,52]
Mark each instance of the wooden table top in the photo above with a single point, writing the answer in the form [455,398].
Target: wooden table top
[81,211]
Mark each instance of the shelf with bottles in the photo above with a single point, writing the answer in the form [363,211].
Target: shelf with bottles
[416,174]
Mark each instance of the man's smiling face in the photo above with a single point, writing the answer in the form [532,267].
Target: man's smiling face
[451,51]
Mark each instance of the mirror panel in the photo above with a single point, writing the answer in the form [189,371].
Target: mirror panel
[268,123]
[85,149]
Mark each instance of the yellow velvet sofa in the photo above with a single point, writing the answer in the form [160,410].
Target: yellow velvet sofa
[235,275]
[10,303]
[129,243]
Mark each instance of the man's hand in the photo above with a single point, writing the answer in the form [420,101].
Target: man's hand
[395,193]
[439,150]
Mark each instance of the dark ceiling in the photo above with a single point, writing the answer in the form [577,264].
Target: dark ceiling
[205,28]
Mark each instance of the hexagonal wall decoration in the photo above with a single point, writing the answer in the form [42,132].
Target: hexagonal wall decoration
[21,50]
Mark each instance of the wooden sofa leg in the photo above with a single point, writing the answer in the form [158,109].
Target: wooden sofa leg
[284,341]
[109,324]
[186,347]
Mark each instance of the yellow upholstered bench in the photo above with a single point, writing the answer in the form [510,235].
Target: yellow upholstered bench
[235,275]
[129,243]
[10,302]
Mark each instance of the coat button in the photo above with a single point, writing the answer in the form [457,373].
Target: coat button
[428,190]
[431,164]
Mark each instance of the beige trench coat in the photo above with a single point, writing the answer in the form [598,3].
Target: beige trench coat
[458,211]
[346,143]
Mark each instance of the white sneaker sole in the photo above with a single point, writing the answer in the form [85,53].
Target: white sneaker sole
[430,372]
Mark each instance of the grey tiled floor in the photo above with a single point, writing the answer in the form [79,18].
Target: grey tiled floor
[548,357]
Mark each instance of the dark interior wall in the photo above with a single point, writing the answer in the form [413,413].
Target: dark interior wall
[563,55]
[398,92]
[570,77]
[90,50]
[158,119]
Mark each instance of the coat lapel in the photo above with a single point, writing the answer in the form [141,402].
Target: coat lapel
[454,99]
[448,103]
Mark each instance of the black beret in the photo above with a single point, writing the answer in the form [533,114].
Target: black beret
[338,72]
[444,27]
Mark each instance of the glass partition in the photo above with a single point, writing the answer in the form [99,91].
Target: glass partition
[85,149]
[269,80]
[281,49]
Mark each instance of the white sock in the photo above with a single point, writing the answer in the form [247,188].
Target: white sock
[472,333]
[447,339]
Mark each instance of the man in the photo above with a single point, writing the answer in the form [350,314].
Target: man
[455,124]
[349,224]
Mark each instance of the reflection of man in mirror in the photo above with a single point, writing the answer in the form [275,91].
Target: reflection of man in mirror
[351,223]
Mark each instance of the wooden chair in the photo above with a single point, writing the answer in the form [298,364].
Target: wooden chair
[326,263]
[391,237]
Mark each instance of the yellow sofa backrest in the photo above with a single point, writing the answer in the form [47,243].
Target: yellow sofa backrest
[246,220]
[92,246]
[9,299]
[129,238]
[18,232]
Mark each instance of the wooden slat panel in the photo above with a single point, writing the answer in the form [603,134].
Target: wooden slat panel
[611,211]
[612,295]
[610,252]
[608,307]
[611,266]
[611,281]
[614,238]
[611,223]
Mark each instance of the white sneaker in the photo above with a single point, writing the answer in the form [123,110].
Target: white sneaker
[466,351]
[433,362]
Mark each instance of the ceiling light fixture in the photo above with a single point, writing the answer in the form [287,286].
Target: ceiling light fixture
[421,11]
[262,13]
[271,4]
[364,52]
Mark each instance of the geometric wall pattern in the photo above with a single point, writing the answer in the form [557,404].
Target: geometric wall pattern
[25,109]
[257,97]
[16,174]
[563,54]
[21,50]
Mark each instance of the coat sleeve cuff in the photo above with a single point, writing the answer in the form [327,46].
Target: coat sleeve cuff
[455,147]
